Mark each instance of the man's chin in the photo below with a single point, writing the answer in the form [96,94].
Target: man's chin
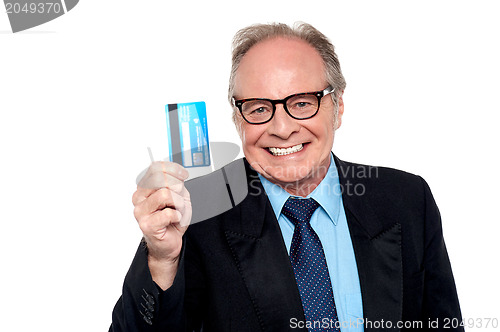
[287,174]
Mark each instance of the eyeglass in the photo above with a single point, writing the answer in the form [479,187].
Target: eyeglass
[299,106]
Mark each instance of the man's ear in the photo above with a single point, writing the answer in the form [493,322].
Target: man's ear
[340,111]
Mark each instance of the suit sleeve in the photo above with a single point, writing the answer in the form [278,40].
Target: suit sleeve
[144,306]
[440,303]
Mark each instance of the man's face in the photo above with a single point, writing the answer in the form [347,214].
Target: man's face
[275,69]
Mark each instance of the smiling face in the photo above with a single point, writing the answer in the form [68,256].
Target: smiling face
[294,154]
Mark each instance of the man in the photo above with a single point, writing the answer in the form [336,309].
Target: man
[317,244]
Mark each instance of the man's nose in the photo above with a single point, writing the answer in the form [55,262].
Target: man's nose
[282,124]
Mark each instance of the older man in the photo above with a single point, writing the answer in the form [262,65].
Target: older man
[318,244]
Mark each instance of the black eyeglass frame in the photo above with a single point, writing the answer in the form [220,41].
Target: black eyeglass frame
[319,94]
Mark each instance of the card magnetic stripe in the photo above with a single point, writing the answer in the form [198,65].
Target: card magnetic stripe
[175,135]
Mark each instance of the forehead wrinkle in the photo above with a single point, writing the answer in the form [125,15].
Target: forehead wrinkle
[279,67]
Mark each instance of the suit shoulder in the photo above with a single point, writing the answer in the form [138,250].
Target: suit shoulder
[383,183]
[379,174]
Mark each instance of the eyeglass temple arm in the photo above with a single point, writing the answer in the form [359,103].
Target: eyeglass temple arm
[328,90]
[233,102]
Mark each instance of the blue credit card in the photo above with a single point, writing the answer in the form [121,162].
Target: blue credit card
[188,134]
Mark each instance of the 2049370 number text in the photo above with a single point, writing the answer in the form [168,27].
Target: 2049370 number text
[33,8]
[452,323]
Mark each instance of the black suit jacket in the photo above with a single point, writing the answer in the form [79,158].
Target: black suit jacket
[235,273]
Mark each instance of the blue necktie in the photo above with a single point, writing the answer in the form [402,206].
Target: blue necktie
[309,265]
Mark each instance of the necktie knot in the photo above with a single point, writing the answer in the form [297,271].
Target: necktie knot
[299,210]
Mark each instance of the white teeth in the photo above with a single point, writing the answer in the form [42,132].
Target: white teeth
[282,152]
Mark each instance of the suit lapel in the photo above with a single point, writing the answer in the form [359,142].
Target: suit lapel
[377,248]
[255,239]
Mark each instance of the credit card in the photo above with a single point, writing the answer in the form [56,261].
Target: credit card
[187,132]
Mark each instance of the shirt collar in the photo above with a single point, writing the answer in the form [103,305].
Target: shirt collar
[328,188]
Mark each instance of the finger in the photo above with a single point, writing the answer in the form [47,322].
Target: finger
[184,193]
[157,223]
[165,198]
[174,169]
[170,168]
[163,174]
[159,200]
[186,215]
[141,194]
[187,212]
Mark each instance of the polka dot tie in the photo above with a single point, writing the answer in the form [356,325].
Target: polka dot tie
[309,265]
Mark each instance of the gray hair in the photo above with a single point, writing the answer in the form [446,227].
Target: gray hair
[251,35]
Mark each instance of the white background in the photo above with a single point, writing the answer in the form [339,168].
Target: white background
[82,97]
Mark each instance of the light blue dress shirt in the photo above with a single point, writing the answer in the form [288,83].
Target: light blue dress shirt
[330,223]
